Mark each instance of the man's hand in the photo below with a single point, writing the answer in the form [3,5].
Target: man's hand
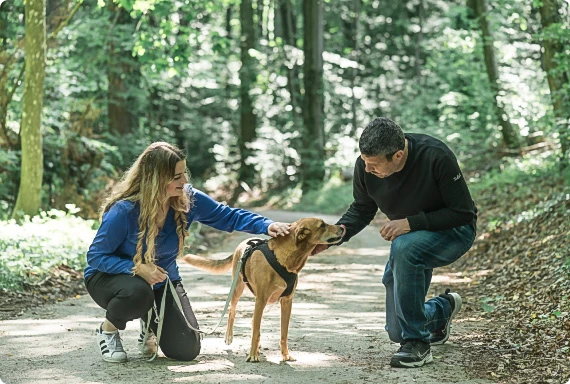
[153,274]
[394,228]
[278,229]
[319,248]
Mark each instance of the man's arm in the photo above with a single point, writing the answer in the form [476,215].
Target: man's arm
[363,208]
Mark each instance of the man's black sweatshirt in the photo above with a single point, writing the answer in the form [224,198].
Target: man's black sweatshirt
[430,191]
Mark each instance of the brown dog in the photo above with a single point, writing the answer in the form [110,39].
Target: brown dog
[292,252]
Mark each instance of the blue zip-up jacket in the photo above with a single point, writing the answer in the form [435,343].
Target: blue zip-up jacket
[115,243]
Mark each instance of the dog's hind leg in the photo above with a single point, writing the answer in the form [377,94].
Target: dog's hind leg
[286,305]
[260,303]
[232,314]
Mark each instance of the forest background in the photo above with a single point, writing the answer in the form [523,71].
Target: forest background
[268,98]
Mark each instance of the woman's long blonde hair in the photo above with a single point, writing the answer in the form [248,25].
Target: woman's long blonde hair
[145,183]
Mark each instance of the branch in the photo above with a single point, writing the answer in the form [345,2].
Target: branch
[65,22]
[5,132]
[11,94]
[20,44]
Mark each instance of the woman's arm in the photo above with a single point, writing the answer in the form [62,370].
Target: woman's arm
[113,231]
[220,216]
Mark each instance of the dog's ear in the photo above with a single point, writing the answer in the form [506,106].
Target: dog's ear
[301,234]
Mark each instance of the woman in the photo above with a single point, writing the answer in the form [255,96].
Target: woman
[144,222]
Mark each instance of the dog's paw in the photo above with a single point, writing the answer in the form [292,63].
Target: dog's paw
[229,339]
[253,358]
[288,357]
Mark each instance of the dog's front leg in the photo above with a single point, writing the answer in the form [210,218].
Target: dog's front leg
[260,303]
[286,305]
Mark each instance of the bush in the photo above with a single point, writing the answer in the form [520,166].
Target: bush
[32,249]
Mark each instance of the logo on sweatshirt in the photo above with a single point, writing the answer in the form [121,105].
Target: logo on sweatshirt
[457,177]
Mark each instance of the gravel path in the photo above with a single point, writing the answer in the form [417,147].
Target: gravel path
[336,333]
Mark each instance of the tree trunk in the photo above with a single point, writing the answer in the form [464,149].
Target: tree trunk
[312,156]
[259,10]
[29,195]
[229,21]
[355,56]
[289,34]
[120,72]
[510,137]
[557,79]
[419,42]
[7,88]
[248,78]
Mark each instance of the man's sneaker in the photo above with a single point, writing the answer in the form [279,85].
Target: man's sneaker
[110,346]
[412,354]
[149,347]
[441,335]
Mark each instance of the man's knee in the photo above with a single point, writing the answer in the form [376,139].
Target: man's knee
[405,251]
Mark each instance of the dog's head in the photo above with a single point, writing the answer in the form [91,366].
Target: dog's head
[316,231]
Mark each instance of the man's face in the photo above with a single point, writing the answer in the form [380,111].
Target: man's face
[379,166]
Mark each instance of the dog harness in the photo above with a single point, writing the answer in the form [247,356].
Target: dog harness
[262,245]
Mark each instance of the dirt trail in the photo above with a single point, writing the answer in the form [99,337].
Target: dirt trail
[336,333]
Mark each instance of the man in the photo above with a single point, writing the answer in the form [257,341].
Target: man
[415,180]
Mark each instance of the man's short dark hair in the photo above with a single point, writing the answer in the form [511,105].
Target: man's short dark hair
[382,137]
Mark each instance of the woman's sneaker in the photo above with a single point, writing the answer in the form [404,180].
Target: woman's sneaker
[110,346]
[441,335]
[149,347]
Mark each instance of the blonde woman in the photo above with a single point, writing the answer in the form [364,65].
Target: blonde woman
[143,225]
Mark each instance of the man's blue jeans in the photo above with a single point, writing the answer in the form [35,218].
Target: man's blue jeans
[408,275]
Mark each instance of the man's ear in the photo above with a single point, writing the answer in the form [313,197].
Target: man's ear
[301,234]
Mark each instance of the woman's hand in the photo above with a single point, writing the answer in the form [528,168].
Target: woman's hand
[153,274]
[278,229]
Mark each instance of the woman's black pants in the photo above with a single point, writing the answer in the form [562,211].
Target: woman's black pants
[127,297]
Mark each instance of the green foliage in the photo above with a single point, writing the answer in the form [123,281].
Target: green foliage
[179,62]
[519,172]
[31,250]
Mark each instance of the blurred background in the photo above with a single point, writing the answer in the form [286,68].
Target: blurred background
[268,97]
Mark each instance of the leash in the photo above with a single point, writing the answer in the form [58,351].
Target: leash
[159,318]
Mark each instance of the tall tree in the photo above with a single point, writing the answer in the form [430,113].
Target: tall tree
[10,54]
[122,73]
[312,154]
[286,29]
[29,194]
[354,55]
[419,41]
[557,77]
[248,78]
[510,136]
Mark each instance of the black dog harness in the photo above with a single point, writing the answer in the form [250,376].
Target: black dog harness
[262,245]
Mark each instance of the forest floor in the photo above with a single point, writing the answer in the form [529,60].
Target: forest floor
[336,334]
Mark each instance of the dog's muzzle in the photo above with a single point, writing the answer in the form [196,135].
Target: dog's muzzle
[341,233]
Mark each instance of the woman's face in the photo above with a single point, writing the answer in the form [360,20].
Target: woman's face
[175,187]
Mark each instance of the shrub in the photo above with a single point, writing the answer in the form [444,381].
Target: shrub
[32,249]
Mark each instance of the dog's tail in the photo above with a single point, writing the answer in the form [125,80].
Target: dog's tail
[214,266]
